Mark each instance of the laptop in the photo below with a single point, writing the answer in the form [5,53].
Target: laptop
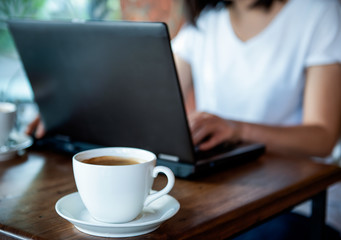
[114,84]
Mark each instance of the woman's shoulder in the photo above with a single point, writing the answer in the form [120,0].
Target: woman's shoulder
[208,20]
[320,5]
[210,15]
[322,2]
[325,11]
[314,12]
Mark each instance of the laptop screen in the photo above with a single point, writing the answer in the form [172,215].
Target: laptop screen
[106,83]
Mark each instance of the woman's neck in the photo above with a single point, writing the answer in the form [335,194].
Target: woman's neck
[242,6]
[247,22]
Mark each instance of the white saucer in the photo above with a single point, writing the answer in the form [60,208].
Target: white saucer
[71,208]
[16,144]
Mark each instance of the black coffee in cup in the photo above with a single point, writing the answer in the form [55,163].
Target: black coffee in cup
[112,161]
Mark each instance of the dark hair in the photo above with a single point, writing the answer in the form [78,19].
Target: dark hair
[194,7]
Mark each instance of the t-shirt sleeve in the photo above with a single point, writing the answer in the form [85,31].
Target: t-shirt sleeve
[325,43]
[182,44]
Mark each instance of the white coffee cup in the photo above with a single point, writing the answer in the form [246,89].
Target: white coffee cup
[118,193]
[7,120]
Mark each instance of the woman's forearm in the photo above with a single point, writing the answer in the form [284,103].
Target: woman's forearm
[321,118]
[310,140]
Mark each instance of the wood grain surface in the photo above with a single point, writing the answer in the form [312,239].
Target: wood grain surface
[215,206]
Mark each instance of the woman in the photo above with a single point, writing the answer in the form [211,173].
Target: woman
[262,70]
[265,71]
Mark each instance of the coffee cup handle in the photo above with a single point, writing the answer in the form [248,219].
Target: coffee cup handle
[171,179]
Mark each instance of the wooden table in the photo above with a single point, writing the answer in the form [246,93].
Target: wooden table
[212,207]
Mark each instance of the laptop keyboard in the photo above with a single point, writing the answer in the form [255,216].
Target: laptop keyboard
[222,148]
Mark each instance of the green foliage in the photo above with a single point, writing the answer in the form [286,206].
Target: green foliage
[20,8]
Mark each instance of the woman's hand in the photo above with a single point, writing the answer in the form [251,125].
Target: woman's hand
[209,130]
[36,127]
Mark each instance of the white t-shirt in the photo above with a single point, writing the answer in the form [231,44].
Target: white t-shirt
[261,80]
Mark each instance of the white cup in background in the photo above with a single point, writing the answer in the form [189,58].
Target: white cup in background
[114,191]
[7,120]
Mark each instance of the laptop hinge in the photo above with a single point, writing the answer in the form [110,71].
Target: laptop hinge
[168,157]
